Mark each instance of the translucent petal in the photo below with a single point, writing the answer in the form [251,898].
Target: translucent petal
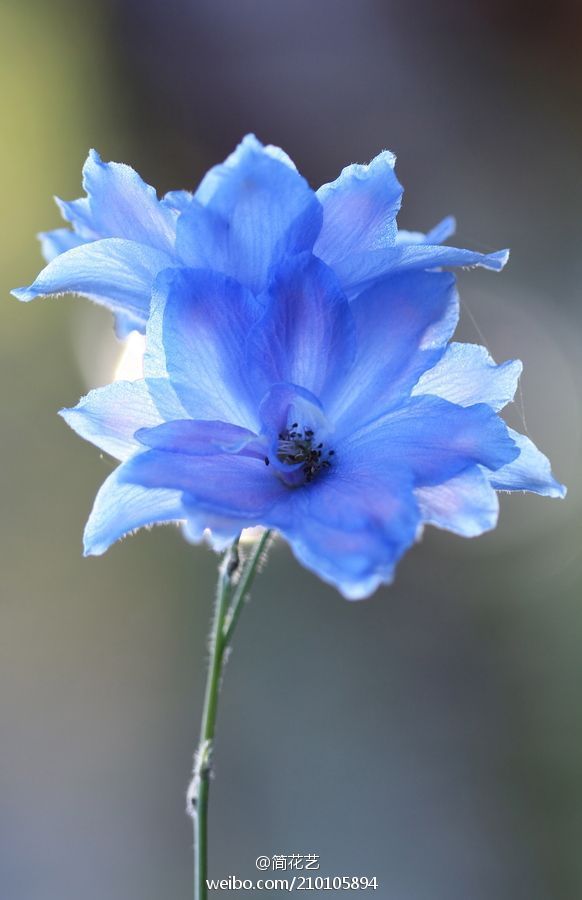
[467,374]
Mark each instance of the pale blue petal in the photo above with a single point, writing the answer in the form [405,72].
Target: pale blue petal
[109,416]
[441,232]
[121,508]
[467,374]
[359,210]
[306,335]
[120,205]
[53,243]
[177,200]
[247,214]
[355,272]
[467,505]
[116,273]
[531,471]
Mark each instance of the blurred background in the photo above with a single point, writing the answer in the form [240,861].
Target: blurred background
[431,736]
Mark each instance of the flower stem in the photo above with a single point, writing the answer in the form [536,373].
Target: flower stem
[232,590]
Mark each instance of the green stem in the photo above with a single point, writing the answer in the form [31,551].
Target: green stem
[230,597]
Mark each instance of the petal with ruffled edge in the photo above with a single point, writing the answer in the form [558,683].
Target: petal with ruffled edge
[351,527]
[120,205]
[357,271]
[121,508]
[247,214]
[307,334]
[531,471]
[116,273]
[395,319]
[466,505]
[467,374]
[434,439]
[110,416]
[359,210]
[441,232]
[196,336]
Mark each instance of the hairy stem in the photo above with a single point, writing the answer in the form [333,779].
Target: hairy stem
[232,590]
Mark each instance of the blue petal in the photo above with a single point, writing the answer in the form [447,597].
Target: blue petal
[441,232]
[466,504]
[306,335]
[178,200]
[121,508]
[360,269]
[227,485]
[434,439]
[195,437]
[467,374]
[394,319]
[359,210]
[110,416]
[531,471]
[196,335]
[247,214]
[120,205]
[115,273]
[53,243]
[351,527]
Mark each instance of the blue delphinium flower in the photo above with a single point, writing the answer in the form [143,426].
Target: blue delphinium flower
[346,425]
[246,216]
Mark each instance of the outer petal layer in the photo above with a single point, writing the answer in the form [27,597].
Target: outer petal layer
[247,214]
[116,273]
[120,205]
[531,471]
[359,210]
[359,270]
[435,440]
[466,505]
[121,508]
[467,374]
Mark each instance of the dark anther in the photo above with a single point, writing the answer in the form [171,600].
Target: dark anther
[266,460]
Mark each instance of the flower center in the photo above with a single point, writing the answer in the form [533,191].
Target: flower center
[298,447]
